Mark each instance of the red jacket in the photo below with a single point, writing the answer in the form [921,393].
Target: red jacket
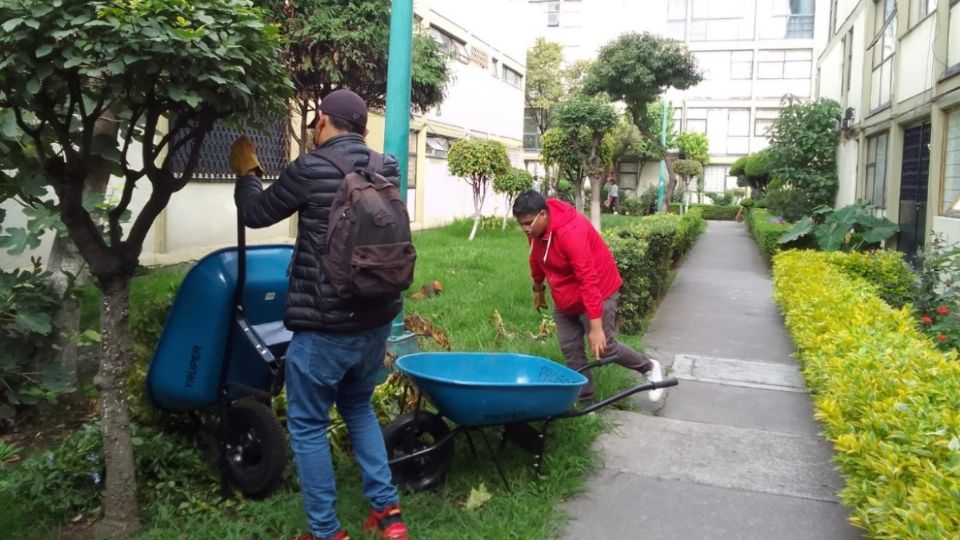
[575,261]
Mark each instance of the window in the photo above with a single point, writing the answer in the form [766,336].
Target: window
[553,13]
[785,64]
[920,9]
[531,129]
[697,121]
[627,175]
[437,146]
[454,46]
[725,65]
[717,20]
[833,17]
[763,121]
[847,67]
[951,173]
[787,19]
[875,183]
[512,77]
[883,48]
[677,19]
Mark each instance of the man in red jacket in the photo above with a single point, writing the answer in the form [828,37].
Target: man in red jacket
[567,252]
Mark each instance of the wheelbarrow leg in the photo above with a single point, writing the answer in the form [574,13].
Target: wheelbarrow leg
[530,439]
[222,447]
[496,462]
[473,449]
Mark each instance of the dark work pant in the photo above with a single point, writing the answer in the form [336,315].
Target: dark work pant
[571,332]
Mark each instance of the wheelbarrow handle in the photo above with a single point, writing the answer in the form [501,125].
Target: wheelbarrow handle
[666,383]
[601,362]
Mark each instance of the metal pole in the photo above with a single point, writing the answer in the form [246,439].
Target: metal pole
[663,160]
[396,140]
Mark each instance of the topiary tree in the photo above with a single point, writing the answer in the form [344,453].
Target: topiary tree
[587,123]
[637,68]
[686,170]
[511,183]
[122,87]
[558,154]
[803,155]
[692,146]
[477,161]
[756,169]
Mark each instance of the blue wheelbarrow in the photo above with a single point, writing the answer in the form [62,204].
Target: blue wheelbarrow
[478,390]
[222,345]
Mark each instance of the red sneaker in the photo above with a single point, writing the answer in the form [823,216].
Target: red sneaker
[389,522]
[342,535]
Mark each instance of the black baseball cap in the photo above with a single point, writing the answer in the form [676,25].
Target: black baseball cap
[344,104]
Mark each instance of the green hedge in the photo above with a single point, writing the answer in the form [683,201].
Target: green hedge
[645,252]
[888,399]
[765,232]
[718,213]
[886,270]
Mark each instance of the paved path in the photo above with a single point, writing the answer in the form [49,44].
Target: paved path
[734,452]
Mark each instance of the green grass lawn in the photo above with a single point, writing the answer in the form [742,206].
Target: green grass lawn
[480,277]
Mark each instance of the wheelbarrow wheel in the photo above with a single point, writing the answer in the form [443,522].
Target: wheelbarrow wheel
[255,448]
[410,433]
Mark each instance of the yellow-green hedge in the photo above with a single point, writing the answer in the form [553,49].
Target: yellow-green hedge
[889,401]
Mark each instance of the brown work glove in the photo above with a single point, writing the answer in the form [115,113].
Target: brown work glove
[539,299]
[243,157]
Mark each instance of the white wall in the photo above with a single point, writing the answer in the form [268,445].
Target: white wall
[953,45]
[948,227]
[831,73]
[847,155]
[915,60]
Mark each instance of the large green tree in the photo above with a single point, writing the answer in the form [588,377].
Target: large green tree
[126,85]
[331,44]
[510,184]
[637,68]
[544,84]
[588,122]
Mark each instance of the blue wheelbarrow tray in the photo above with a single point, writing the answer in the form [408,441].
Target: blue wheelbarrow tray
[484,389]
[200,338]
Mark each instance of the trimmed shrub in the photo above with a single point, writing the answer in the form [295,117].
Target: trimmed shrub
[645,252]
[888,399]
[765,232]
[718,213]
[886,270]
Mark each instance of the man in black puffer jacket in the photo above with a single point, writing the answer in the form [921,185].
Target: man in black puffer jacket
[336,352]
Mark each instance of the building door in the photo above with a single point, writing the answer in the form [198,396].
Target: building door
[914,176]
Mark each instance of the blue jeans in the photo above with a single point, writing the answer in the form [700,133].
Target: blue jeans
[324,369]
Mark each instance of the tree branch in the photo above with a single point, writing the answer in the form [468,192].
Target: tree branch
[198,135]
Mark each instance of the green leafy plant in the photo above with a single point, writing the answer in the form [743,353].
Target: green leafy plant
[802,153]
[851,228]
[477,161]
[687,170]
[936,292]
[766,231]
[886,396]
[510,184]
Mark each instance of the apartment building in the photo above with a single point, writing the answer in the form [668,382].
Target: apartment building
[752,53]
[893,65]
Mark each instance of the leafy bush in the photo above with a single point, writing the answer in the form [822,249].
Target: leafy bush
[738,167]
[936,295]
[886,396]
[792,205]
[851,228]
[717,213]
[177,469]
[748,203]
[28,373]
[766,231]
[721,199]
[886,270]
[645,252]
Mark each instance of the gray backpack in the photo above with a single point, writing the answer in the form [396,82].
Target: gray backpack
[369,253]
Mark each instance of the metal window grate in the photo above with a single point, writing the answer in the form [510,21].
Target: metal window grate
[272,144]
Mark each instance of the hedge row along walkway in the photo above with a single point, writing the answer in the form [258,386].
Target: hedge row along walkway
[734,452]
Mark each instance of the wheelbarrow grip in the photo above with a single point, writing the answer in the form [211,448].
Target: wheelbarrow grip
[601,362]
[665,383]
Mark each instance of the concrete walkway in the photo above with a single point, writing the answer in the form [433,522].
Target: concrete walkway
[734,452]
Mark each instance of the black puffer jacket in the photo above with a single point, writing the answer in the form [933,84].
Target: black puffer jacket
[308,185]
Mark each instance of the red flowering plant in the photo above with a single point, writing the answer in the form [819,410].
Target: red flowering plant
[936,295]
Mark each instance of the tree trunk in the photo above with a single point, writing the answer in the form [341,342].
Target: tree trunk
[578,195]
[479,188]
[120,519]
[595,191]
[64,256]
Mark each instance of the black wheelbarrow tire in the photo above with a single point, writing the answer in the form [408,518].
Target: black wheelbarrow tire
[256,448]
[409,433]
